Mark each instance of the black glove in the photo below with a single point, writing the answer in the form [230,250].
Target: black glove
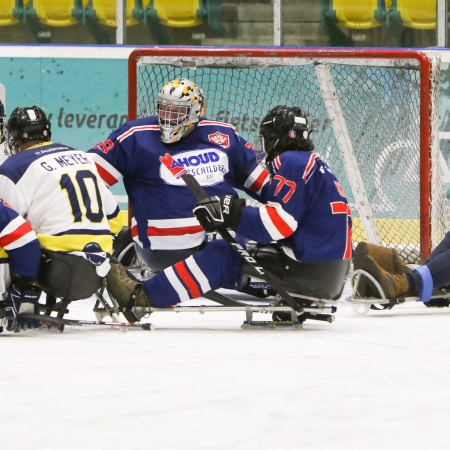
[18,302]
[219,212]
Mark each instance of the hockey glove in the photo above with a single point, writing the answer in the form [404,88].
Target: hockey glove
[219,212]
[18,302]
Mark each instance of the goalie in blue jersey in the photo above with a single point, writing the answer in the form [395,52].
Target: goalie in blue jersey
[162,222]
[302,229]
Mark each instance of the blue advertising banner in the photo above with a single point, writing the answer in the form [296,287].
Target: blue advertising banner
[82,90]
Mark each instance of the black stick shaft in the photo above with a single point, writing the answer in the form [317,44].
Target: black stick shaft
[257,269]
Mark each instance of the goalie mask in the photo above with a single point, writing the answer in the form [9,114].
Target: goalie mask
[24,125]
[284,128]
[179,106]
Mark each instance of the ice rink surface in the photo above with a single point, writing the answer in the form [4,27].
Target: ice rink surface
[199,382]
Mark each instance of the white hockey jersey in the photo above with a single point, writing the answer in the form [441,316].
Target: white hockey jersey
[58,191]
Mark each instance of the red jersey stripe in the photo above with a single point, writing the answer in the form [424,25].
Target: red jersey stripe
[348,244]
[309,167]
[278,222]
[259,182]
[176,231]
[339,208]
[105,175]
[186,277]
[19,232]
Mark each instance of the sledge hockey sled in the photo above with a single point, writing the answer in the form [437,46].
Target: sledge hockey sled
[321,307]
[362,305]
[65,278]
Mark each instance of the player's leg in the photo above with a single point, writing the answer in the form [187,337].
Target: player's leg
[216,265]
[387,258]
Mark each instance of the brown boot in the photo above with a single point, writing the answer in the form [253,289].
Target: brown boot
[393,284]
[128,292]
[387,258]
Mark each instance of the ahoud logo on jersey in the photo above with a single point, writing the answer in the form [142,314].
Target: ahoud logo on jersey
[208,166]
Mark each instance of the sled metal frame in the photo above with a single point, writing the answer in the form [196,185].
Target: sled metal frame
[362,305]
[315,308]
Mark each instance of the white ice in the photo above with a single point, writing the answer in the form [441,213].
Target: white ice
[200,382]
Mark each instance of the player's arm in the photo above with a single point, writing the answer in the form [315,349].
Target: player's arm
[278,217]
[110,156]
[20,242]
[12,195]
[272,221]
[251,177]
[21,245]
[111,209]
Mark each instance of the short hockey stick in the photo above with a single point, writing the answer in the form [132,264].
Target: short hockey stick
[56,321]
[180,172]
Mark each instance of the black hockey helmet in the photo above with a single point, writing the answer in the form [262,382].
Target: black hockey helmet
[284,128]
[26,124]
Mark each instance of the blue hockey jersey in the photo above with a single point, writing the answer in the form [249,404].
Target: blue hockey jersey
[161,204]
[20,251]
[306,210]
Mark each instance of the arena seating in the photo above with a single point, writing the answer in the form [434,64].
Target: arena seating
[350,14]
[55,14]
[6,13]
[105,11]
[417,14]
[356,14]
[189,13]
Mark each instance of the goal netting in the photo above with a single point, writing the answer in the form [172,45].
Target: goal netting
[374,114]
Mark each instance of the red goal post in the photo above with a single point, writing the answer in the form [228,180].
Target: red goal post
[374,115]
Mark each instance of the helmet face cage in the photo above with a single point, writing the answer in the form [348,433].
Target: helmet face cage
[283,128]
[24,125]
[179,105]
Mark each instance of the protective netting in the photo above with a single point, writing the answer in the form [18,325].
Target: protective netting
[365,119]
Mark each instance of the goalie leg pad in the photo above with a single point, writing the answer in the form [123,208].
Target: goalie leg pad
[67,276]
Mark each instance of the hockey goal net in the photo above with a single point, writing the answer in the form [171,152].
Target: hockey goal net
[374,114]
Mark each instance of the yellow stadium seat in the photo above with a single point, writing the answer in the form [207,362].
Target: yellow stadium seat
[6,12]
[357,14]
[178,13]
[419,14]
[55,13]
[105,11]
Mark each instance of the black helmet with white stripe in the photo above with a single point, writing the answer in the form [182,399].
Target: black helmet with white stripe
[285,128]
[26,124]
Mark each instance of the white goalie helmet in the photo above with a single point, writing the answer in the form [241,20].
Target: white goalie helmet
[179,106]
